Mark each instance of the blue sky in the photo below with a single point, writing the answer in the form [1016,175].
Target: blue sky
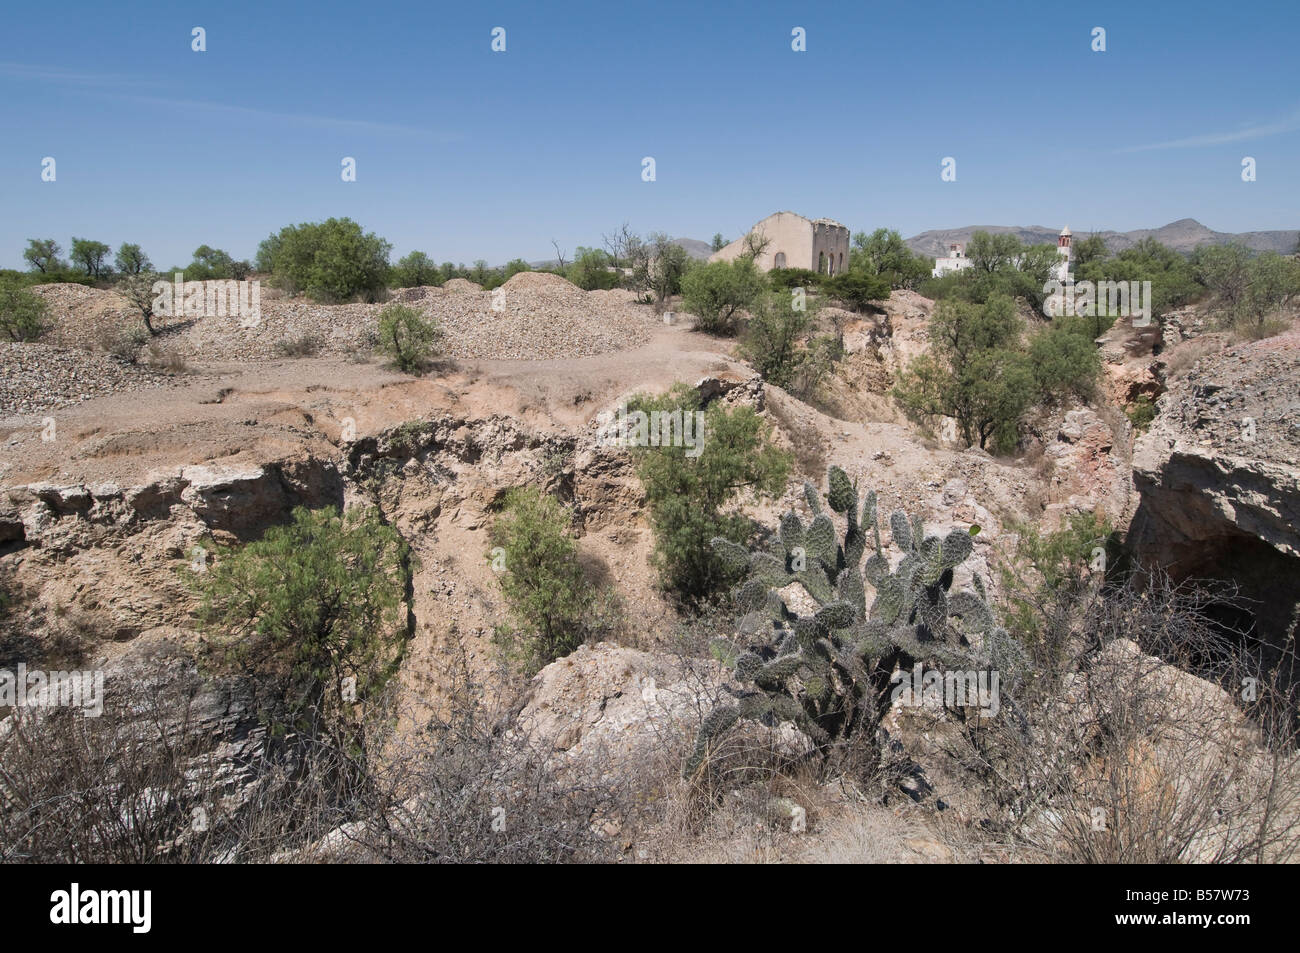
[466,154]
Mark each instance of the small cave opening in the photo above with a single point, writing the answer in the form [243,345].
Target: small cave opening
[1252,596]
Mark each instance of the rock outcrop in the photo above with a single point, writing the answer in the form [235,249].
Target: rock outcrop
[1218,476]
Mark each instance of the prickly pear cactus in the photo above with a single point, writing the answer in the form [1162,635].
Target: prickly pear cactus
[829,672]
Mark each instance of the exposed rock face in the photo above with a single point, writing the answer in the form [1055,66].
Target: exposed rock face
[1089,472]
[619,704]
[1218,477]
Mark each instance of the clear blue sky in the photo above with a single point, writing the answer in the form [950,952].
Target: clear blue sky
[465,153]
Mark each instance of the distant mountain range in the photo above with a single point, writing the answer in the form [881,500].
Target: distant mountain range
[1183,235]
[697,249]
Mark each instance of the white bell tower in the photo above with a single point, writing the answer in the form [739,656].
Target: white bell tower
[1066,255]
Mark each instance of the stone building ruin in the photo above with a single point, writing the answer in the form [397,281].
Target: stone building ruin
[820,245]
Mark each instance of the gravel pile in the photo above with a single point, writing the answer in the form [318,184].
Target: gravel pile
[38,377]
[77,314]
[541,316]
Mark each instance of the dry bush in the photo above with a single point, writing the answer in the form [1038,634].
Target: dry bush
[304,345]
[121,343]
[157,779]
[165,359]
[119,788]
[808,446]
[1251,330]
[1180,359]
[1120,756]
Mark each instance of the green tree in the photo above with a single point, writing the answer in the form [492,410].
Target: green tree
[592,269]
[993,253]
[332,260]
[541,578]
[661,269]
[1173,280]
[131,259]
[515,266]
[1064,362]
[408,336]
[91,255]
[686,490]
[1090,249]
[1274,282]
[1035,266]
[884,254]
[210,264]
[972,372]
[1225,271]
[313,611]
[42,254]
[717,292]
[22,313]
[416,270]
[718,242]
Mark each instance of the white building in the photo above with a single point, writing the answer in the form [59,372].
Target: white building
[1066,255]
[956,260]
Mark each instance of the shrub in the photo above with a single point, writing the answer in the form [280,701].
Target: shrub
[313,611]
[686,493]
[1141,412]
[212,264]
[1044,577]
[771,340]
[120,343]
[22,314]
[331,261]
[816,361]
[1064,363]
[858,289]
[408,336]
[593,269]
[1112,728]
[789,278]
[541,578]
[304,345]
[660,267]
[166,359]
[830,672]
[716,293]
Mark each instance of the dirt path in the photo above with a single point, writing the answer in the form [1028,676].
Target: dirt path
[252,413]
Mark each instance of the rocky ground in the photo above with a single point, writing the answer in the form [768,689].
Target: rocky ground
[38,377]
[97,524]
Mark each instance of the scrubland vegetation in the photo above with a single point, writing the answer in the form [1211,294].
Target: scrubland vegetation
[311,622]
